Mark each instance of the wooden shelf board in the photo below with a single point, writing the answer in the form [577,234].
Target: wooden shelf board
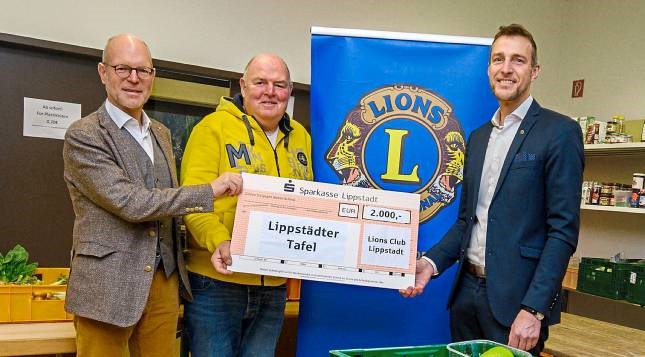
[613,209]
[615,149]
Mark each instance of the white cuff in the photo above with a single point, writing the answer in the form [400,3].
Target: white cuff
[436,272]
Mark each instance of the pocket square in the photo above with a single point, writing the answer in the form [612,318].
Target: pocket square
[524,156]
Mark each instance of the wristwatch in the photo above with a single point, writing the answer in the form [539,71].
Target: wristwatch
[538,315]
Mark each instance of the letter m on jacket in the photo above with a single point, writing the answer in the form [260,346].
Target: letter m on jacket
[237,154]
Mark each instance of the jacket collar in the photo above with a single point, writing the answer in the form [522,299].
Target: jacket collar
[522,132]
[480,140]
[519,112]
[284,124]
[128,153]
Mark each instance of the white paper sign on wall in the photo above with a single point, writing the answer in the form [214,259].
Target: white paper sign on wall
[47,118]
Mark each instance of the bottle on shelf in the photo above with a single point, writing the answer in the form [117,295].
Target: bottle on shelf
[620,124]
[613,126]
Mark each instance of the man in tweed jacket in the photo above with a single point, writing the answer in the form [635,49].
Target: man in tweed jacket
[120,172]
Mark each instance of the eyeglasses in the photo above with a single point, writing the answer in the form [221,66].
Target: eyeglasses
[124,71]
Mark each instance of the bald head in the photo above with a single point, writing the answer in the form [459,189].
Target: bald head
[268,57]
[117,42]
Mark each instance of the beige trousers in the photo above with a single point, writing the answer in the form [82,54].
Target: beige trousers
[153,335]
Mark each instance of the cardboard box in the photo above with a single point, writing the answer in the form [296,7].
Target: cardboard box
[570,278]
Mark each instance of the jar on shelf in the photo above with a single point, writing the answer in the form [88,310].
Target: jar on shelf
[628,138]
[620,119]
[612,126]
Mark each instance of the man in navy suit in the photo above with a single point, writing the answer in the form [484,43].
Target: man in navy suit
[519,210]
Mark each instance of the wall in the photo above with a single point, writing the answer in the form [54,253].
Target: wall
[598,40]
[225,34]
[605,45]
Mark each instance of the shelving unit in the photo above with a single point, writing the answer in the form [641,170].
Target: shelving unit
[626,149]
[613,209]
[600,308]
[614,149]
[608,230]
[613,162]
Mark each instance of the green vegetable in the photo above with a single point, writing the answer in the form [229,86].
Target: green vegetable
[498,351]
[14,268]
[61,280]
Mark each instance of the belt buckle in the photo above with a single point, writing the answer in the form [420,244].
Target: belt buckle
[476,270]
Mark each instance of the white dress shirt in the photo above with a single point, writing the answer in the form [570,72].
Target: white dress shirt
[499,142]
[140,133]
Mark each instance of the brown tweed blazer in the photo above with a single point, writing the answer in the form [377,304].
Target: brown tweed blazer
[113,249]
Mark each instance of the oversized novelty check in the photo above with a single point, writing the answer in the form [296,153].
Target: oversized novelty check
[317,231]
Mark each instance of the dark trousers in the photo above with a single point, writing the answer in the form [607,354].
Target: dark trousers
[471,317]
[233,320]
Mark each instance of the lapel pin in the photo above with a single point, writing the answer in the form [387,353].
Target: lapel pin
[522,132]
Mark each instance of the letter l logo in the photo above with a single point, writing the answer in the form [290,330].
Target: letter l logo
[393,169]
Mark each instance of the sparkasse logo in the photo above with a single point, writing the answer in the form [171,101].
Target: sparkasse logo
[289,186]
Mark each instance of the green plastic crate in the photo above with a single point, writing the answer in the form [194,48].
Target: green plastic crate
[635,291]
[601,277]
[476,347]
[412,351]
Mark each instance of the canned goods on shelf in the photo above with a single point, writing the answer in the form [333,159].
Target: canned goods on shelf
[607,189]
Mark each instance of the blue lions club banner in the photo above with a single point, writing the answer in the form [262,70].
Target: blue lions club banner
[391,111]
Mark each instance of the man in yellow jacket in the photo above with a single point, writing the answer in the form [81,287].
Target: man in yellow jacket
[238,314]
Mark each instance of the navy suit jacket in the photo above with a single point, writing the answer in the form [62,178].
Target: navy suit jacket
[533,219]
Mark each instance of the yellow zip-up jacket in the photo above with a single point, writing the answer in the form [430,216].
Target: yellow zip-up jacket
[230,140]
